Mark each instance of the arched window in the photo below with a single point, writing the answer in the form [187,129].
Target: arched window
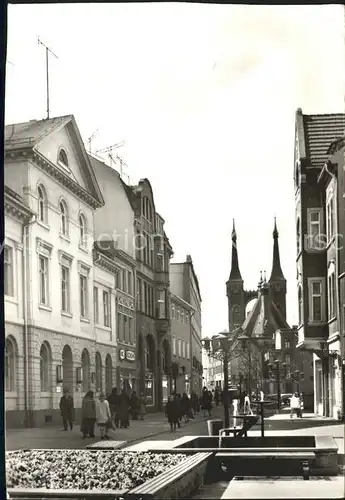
[82,230]
[85,364]
[300,305]
[10,365]
[42,204]
[63,158]
[63,218]
[98,372]
[149,354]
[298,235]
[45,368]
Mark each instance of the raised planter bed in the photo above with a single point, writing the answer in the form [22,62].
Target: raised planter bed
[111,474]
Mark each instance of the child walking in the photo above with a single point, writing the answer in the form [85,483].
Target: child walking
[103,415]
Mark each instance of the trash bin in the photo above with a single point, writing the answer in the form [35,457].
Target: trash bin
[214,427]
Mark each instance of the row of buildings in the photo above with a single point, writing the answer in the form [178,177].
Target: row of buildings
[92,300]
[309,356]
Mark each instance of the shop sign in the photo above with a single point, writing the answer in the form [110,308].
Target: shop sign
[122,354]
[130,356]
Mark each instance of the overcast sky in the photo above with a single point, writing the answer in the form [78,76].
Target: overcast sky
[205,98]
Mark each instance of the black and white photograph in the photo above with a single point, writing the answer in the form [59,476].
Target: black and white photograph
[174,251]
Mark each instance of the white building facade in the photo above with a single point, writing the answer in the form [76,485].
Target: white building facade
[51,339]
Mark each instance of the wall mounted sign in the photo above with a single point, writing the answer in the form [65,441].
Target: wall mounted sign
[122,354]
[130,356]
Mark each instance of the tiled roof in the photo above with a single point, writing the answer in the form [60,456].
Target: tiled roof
[320,131]
[29,133]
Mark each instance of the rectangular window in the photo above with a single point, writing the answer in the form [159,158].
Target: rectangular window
[43,280]
[118,280]
[173,311]
[119,326]
[330,218]
[106,309]
[187,350]
[129,283]
[83,296]
[179,349]
[331,296]
[314,229]
[187,317]
[174,345]
[287,344]
[139,294]
[8,271]
[130,330]
[125,328]
[316,300]
[178,313]
[95,305]
[182,315]
[65,289]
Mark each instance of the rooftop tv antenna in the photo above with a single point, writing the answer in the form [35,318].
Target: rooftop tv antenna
[47,69]
[90,139]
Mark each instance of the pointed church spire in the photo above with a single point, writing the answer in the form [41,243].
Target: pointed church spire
[235,270]
[277,272]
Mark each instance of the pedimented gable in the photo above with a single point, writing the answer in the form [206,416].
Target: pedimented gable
[63,146]
[53,147]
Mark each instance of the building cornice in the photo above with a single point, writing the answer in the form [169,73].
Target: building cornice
[15,208]
[105,262]
[180,301]
[54,172]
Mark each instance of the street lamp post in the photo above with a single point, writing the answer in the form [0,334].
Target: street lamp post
[276,365]
[221,343]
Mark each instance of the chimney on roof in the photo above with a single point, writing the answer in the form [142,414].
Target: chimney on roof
[189,258]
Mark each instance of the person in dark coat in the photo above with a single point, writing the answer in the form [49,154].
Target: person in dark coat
[172,412]
[206,401]
[186,407]
[178,403]
[216,397]
[124,405]
[67,410]
[134,405]
[88,415]
[113,401]
[194,402]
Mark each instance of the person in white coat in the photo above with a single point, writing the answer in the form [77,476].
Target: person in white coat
[295,405]
[103,415]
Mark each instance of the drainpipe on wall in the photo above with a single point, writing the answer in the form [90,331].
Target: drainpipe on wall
[26,251]
[191,314]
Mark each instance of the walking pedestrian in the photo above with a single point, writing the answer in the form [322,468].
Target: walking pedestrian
[194,402]
[295,405]
[134,405]
[113,401]
[172,412]
[216,396]
[178,403]
[67,410]
[88,415]
[103,415]
[186,407]
[142,406]
[124,405]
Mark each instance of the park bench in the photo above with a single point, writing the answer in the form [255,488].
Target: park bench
[305,456]
[156,487]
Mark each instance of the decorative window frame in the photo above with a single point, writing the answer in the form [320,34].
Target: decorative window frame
[63,202]
[66,260]
[65,166]
[331,298]
[84,270]
[45,222]
[82,241]
[323,300]
[12,245]
[44,249]
[320,244]
[330,202]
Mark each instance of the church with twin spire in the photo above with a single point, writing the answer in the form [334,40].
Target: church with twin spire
[265,326]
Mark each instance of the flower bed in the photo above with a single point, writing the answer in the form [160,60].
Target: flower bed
[85,469]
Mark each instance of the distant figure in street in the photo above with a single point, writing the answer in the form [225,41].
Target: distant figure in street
[206,402]
[186,407]
[134,405]
[142,406]
[216,397]
[88,415]
[113,401]
[67,410]
[295,405]
[177,402]
[246,405]
[103,415]
[172,412]
[124,405]
[194,402]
